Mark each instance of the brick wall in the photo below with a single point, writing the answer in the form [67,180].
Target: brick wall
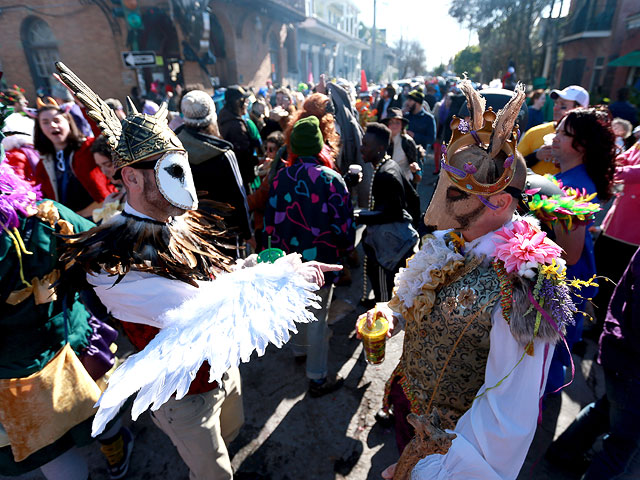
[85,41]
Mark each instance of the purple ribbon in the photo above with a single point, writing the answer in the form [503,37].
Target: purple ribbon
[452,169]
[487,202]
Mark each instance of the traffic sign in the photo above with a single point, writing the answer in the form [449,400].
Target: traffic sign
[139,59]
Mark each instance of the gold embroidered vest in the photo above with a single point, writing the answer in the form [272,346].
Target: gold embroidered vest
[428,344]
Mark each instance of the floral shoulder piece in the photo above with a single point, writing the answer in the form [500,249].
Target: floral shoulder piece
[571,209]
[536,296]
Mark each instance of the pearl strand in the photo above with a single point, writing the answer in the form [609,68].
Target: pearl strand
[371,203]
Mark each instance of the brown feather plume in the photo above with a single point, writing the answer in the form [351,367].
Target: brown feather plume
[187,249]
[97,109]
[476,103]
[505,120]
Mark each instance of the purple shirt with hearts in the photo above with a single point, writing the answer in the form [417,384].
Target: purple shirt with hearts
[309,211]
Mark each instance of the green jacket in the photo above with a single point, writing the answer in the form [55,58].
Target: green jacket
[30,334]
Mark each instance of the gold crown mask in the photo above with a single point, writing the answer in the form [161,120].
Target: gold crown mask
[488,134]
[136,138]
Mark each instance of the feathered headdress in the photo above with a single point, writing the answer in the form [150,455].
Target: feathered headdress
[137,138]
[16,197]
[486,135]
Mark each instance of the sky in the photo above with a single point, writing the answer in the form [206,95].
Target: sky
[427,21]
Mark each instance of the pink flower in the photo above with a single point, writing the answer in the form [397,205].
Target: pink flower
[523,248]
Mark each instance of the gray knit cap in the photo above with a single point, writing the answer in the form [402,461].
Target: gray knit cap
[198,109]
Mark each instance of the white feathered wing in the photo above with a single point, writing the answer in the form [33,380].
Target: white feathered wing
[222,324]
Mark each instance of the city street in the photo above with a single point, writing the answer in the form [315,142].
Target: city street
[153,142]
[289,435]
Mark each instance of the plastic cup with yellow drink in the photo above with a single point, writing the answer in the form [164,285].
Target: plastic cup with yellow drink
[374,338]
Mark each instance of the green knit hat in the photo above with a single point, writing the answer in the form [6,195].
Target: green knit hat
[306,137]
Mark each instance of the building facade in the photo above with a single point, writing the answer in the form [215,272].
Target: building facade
[223,42]
[328,41]
[597,33]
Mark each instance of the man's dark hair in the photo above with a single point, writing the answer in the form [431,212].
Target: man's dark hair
[146,165]
[276,137]
[380,132]
[590,129]
[101,146]
[391,90]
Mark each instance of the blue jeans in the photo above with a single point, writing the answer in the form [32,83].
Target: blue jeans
[312,338]
[618,415]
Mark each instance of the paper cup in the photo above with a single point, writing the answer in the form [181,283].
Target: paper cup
[374,339]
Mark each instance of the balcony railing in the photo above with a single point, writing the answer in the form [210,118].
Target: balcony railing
[297,5]
[585,20]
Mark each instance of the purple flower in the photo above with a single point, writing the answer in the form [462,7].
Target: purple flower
[508,161]
[558,301]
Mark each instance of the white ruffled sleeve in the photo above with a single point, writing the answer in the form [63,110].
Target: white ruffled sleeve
[494,435]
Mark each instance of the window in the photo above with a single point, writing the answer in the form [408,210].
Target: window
[572,71]
[309,8]
[41,49]
[216,40]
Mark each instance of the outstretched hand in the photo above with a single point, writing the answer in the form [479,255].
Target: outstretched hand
[313,272]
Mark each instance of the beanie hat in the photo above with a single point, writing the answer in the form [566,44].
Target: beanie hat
[198,109]
[306,138]
[234,93]
[416,95]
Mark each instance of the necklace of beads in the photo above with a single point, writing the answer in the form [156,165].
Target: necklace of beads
[371,204]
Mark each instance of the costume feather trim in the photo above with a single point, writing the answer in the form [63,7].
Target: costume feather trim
[505,121]
[185,249]
[222,324]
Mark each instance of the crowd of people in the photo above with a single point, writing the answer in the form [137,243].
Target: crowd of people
[114,217]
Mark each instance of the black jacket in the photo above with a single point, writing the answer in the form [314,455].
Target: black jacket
[394,197]
[234,130]
[215,171]
[394,103]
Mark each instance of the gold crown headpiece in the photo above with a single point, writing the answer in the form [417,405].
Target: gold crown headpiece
[492,133]
[136,138]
